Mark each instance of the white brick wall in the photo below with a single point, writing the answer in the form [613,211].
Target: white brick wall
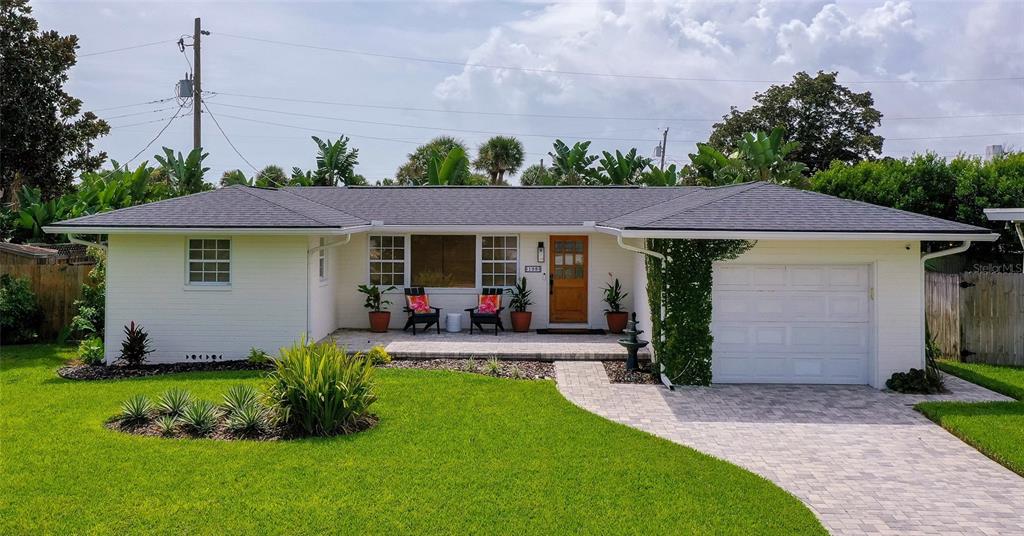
[265,306]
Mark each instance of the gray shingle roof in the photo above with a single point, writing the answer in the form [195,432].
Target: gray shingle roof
[741,207]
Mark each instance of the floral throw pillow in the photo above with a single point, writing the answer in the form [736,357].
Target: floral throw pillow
[419,304]
[488,304]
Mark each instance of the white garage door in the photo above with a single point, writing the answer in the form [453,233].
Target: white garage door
[790,324]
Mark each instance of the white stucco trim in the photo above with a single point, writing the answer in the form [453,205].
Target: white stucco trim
[779,235]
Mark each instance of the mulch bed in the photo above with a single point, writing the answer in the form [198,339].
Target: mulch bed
[513,369]
[617,373]
[220,432]
[116,372]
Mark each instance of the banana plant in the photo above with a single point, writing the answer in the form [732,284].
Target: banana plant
[655,176]
[622,168]
[335,162]
[34,214]
[186,172]
[571,165]
[449,170]
[301,178]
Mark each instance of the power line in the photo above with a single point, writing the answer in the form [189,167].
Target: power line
[118,107]
[284,125]
[468,131]
[140,113]
[122,49]
[148,122]
[158,134]
[985,135]
[594,74]
[227,139]
[561,116]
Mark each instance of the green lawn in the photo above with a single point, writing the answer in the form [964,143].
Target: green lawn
[453,453]
[994,428]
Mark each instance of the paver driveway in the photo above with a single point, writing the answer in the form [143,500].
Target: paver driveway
[863,460]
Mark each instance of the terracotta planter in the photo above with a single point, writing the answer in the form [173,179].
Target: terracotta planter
[521,321]
[379,321]
[616,320]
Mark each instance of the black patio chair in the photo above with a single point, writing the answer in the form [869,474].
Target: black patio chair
[479,319]
[429,319]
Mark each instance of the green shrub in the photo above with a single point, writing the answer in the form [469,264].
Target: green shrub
[470,365]
[173,402]
[90,351]
[166,425]
[200,417]
[239,397]
[916,381]
[492,367]
[248,421]
[135,346]
[90,308]
[20,315]
[318,389]
[516,372]
[137,410]
[258,356]
[378,355]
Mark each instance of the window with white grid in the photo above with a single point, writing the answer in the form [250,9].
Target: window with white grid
[387,260]
[323,259]
[209,261]
[499,258]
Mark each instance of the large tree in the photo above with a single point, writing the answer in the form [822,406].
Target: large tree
[46,140]
[498,156]
[829,121]
[414,171]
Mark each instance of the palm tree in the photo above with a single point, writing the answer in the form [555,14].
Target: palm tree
[270,177]
[335,162]
[414,171]
[498,156]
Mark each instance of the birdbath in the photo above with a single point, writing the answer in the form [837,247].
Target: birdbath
[632,344]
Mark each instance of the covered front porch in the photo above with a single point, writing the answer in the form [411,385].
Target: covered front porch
[506,345]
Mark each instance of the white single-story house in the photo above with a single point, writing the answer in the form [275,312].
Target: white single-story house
[832,292]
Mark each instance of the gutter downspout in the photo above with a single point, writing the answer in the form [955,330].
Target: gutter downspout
[79,241]
[664,262]
[925,258]
[309,255]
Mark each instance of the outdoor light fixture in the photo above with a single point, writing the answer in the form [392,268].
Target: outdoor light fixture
[540,252]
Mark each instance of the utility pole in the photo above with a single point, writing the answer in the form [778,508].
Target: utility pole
[197,88]
[664,143]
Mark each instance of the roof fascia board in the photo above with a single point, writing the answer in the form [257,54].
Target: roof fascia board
[207,230]
[804,235]
[482,228]
[1005,214]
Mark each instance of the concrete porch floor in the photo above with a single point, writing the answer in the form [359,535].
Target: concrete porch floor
[505,345]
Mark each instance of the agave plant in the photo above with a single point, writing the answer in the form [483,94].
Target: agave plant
[166,425]
[137,410]
[238,398]
[173,402]
[200,417]
[249,420]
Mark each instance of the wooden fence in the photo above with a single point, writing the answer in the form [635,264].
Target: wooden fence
[57,286]
[977,316]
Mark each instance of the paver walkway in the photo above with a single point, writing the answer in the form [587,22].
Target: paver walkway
[863,460]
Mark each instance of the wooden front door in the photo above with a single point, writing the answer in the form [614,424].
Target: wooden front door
[568,279]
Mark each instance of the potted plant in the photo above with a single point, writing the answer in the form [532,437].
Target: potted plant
[375,302]
[613,296]
[518,302]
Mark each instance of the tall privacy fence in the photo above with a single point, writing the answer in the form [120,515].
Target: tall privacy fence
[55,273]
[977,316]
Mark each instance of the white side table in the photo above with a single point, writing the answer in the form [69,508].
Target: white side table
[453,323]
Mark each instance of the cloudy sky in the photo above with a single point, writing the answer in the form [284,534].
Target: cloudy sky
[391,75]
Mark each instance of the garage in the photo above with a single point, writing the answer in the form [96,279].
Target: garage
[791,324]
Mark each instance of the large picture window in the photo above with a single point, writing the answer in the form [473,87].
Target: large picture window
[209,261]
[387,260]
[499,260]
[444,261]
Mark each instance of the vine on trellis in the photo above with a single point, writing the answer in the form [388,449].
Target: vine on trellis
[686,285]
